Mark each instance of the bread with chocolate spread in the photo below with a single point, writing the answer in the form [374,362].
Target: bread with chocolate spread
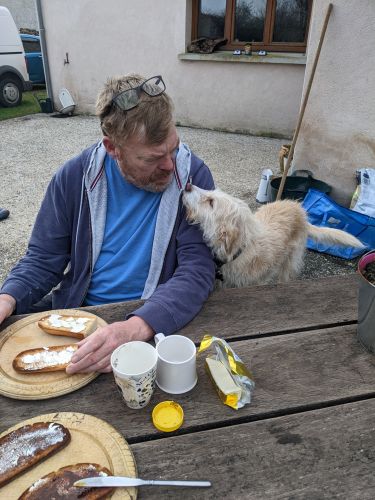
[28,445]
[68,326]
[44,359]
[59,484]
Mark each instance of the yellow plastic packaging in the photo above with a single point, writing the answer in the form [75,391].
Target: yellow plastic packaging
[233,382]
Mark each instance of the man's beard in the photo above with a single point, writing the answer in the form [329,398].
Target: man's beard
[148,184]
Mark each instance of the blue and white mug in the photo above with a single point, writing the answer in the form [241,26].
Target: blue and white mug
[134,369]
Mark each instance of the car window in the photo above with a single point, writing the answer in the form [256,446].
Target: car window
[31,46]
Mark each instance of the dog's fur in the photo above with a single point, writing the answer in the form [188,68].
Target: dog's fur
[256,248]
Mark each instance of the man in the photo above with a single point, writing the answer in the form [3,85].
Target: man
[112,227]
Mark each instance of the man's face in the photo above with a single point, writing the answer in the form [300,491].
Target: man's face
[148,167]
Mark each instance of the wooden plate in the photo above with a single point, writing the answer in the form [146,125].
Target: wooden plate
[93,440]
[26,334]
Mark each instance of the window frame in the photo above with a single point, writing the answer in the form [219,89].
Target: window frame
[267,33]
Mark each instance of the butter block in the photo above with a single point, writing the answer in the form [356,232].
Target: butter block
[222,379]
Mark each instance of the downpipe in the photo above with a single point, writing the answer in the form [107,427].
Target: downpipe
[49,99]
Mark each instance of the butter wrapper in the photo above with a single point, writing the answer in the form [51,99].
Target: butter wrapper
[233,382]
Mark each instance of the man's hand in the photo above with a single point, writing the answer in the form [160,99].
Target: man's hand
[7,306]
[94,353]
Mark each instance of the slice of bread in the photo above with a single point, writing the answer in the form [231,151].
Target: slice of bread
[44,359]
[59,484]
[68,326]
[28,445]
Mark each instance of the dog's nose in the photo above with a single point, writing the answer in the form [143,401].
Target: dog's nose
[188,186]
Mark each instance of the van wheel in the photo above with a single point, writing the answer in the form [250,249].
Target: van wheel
[10,92]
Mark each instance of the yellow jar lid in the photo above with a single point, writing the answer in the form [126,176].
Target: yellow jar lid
[167,416]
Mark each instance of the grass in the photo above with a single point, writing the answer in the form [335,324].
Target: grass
[28,106]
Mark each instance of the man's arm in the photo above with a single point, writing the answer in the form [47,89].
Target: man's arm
[47,255]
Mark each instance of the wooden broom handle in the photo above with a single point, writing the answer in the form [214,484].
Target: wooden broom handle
[304,102]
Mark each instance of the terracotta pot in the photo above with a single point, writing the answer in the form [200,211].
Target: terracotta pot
[366,305]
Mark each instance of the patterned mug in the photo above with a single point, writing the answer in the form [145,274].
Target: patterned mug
[134,369]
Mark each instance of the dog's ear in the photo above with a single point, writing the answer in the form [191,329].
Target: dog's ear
[229,237]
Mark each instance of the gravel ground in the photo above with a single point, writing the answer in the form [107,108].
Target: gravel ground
[33,147]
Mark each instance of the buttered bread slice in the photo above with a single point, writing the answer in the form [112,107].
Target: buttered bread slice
[28,445]
[59,484]
[68,326]
[44,359]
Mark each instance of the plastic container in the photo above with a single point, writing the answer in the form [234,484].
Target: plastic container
[366,305]
[46,104]
[264,191]
[296,185]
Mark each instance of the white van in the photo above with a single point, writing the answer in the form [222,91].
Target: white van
[14,78]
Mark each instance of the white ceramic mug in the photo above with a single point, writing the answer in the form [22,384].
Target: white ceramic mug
[176,370]
[134,369]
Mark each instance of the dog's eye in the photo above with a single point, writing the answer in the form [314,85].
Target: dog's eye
[211,202]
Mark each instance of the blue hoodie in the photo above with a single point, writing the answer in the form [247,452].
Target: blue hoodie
[68,234]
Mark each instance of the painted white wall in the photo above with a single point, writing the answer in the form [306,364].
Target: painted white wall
[337,135]
[144,36]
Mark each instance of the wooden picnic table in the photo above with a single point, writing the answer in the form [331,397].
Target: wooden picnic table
[309,431]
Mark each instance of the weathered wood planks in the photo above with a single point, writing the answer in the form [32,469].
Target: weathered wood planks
[293,372]
[245,312]
[321,454]
[309,430]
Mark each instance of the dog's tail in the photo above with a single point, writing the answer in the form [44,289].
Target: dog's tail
[332,236]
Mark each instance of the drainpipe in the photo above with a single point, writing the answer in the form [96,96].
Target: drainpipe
[49,100]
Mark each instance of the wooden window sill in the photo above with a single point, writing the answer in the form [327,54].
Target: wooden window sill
[223,56]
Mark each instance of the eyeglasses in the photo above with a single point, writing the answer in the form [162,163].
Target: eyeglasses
[129,99]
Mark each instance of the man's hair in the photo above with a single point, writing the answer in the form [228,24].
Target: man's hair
[150,119]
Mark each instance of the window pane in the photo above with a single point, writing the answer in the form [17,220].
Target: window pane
[211,18]
[290,21]
[31,46]
[249,20]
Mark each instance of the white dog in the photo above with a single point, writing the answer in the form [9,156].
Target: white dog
[256,248]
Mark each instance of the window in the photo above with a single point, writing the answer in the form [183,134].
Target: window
[275,25]
[30,46]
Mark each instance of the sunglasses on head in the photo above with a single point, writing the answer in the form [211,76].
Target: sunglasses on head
[129,99]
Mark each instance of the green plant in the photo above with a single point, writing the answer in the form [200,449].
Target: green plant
[28,106]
